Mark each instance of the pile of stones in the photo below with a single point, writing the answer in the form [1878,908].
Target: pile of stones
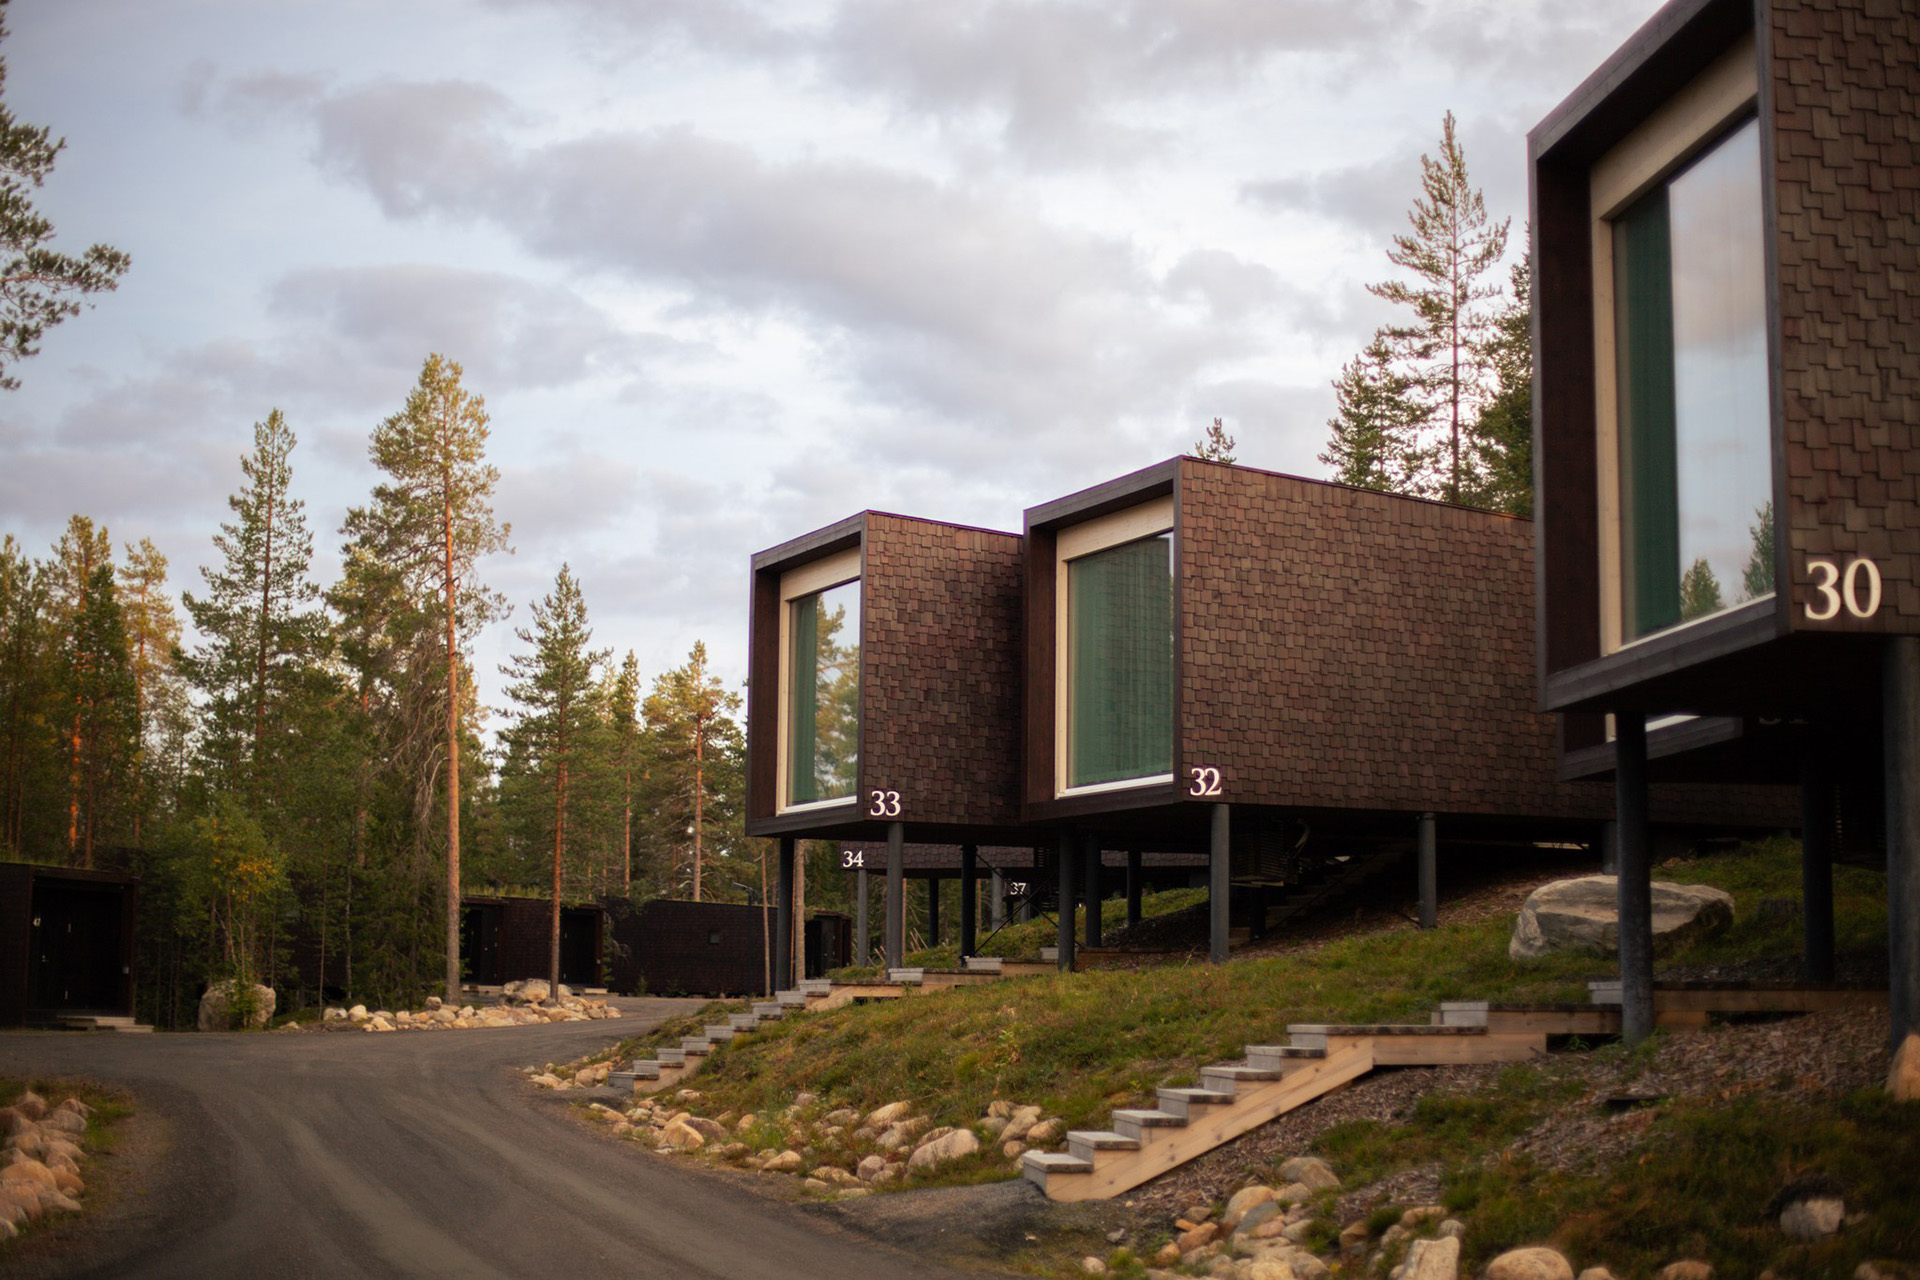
[40,1160]
[838,1150]
[522,1004]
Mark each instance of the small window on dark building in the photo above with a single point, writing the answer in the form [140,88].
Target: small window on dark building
[823,716]
[1696,473]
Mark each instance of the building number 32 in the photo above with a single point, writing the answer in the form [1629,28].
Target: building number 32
[1205,781]
[1857,589]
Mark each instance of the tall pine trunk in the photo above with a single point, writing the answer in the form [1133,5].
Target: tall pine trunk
[559,845]
[453,752]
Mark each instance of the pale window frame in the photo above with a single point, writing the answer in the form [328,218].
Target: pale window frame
[817,575]
[1691,122]
[1148,519]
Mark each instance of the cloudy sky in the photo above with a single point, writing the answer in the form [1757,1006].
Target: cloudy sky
[725,270]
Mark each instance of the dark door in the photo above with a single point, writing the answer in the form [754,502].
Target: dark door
[75,953]
[580,948]
[480,944]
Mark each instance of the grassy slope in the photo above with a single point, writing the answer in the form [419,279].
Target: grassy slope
[1083,1044]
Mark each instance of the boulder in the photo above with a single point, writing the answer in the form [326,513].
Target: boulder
[29,1170]
[30,1104]
[1530,1264]
[785,1162]
[682,1136]
[870,1168]
[1308,1267]
[882,1117]
[218,1012]
[1199,1237]
[1436,1259]
[357,1014]
[711,1130]
[62,1122]
[1903,1078]
[23,1197]
[1241,1202]
[1582,914]
[1255,1221]
[1685,1269]
[1884,1269]
[1314,1172]
[1047,1131]
[333,1015]
[935,1152]
[1596,1273]
[1269,1268]
[1809,1208]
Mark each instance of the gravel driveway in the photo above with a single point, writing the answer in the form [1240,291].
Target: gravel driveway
[409,1154]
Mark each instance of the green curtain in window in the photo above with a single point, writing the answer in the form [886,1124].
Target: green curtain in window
[1643,340]
[804,668]
[1120,663]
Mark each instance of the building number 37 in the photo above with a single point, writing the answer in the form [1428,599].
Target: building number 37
[1856,589]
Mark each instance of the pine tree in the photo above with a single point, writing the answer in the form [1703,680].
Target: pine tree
[25,714]
[1452,246]
[81,551]
[38,287]
[1372,438]
[695,746]
[623,704]
[1756,579]
[554,713]
[1699,591]
[430,522]
[1216,445]
[1503,436]
[153,631]
[98,681]
[259,616]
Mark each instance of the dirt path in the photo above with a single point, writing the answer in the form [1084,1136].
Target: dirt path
[408,1154]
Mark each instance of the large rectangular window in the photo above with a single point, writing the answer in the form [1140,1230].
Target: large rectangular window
[1696,474]
[1120,624]
[822,668]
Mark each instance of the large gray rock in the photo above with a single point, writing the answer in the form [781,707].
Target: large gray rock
[1530,1264]
[938,1151]
[1435,1259]
[1583,915]
[217,1012]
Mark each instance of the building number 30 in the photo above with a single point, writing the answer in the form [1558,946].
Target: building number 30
[1857,589]
[885,804]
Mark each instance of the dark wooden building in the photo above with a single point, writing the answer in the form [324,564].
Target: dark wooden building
[884,693]
[66,943]
[668,947]
[1725,252]
[1261,665]
[505,939]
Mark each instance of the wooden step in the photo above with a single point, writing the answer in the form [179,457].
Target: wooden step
[719,1033]
[743,1021]
[1228,1077]
[1422,1044]
[768,1010]
[1140,1125]
[1551,1019]
[817,987]
[1188,1102]
[983,964]
[696,1046]
[1748,997]
[911,977]
[672,1057]
[1282,1057]
[1178,1133]
[790,999]
[1096,1146]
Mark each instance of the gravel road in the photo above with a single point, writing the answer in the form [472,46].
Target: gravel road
[410,1154]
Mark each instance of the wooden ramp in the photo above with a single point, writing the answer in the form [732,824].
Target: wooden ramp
[1235,1097]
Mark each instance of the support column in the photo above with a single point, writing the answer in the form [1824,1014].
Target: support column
[1133,886]
[996,899]
[1093,889]
[1219,886]
[1900,716]
[969,900]
[1429,872]
[896,921]
[933,911]
[1636,876]
[862,941]
[1816,861]
[1609,848]
[783,919]
[1064,847]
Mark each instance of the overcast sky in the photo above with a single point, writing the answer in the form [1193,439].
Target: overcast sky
[727,271]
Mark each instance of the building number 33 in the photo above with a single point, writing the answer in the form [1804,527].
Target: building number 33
[883,804]
[1856,589]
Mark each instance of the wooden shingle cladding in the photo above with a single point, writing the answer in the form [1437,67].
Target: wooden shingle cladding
[1341,654]
[1837,82]
[939,679]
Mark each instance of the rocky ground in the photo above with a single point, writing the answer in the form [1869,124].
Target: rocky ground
[40,1161]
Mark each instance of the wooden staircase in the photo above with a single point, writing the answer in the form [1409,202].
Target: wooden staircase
[103,1022]
[1233,1098]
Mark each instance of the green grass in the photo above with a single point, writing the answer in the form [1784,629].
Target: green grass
[1081,1044]
[1022,941]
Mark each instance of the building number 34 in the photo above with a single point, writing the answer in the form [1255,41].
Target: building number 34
[1856,589]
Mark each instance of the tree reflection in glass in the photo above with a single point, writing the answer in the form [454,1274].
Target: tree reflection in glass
[823,725]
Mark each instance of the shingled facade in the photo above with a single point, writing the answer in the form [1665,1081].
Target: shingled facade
[1815,657]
